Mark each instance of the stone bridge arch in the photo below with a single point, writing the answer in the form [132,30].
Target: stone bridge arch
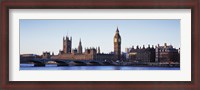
[37,63]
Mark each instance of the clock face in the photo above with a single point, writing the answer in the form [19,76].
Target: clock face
[119,40]
[115,40]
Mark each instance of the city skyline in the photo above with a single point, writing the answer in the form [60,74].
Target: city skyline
[37,36]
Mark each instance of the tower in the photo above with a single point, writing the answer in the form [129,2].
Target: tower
[117,45]
[67,44]
[99,50]
[80,47]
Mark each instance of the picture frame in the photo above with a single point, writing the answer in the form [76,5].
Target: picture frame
[100,4]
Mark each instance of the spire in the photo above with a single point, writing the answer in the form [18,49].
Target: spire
[99,50]
[80,41]
[117,29]
[117,34]
[80,47]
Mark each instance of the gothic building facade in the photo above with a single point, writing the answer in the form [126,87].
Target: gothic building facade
[90,53]
[158,53]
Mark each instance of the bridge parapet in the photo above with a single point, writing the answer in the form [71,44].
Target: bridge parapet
[61,62]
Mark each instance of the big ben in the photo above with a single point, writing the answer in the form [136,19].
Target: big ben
[117,45]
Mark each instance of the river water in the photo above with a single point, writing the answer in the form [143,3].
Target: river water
[55,67]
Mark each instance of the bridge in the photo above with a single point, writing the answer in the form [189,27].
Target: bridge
[60,62]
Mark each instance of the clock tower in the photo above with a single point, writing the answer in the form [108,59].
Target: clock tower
[117,45]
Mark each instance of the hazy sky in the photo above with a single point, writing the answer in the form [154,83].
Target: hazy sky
[37,36]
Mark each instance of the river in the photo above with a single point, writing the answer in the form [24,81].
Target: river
[55,67]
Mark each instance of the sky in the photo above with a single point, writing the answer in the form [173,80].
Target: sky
[37,36]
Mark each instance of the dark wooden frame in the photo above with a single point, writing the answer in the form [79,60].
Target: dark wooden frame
[99,4]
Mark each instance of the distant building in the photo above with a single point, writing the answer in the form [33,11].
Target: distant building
[142,54]
[167,53]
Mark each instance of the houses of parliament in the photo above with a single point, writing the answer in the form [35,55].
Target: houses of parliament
[166,53]
[90,53]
